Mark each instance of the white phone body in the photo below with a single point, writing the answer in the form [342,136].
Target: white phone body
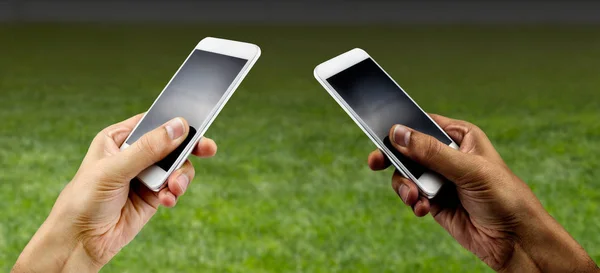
[429,183]
[155,177]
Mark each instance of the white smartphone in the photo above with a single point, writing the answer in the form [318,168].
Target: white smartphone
[197,92]
[376,102]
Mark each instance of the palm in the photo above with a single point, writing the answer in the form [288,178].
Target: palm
[470,214]
[134,205]
[135,213]
[483,237]
[104,207]
[121,211]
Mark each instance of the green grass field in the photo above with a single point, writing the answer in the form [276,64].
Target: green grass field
[289,190]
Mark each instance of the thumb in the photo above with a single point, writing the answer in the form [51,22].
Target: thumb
[433,154]
[151,148]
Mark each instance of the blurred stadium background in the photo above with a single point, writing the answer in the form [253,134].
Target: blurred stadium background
[289,190]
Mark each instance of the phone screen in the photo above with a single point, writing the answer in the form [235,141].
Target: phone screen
[380,104]
[193,93]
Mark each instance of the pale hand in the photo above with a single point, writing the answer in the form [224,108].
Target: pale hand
[104,207]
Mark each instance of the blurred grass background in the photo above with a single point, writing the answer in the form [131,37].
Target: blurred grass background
[289,190]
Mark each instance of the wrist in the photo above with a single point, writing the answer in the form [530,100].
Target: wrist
[80,261]
[519,261]
[548,245]
[55,247]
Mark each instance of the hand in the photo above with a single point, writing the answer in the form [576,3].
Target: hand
[103,208]
[486,208]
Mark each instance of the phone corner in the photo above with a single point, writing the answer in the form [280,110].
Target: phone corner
[428,191]
[257,50]
[157,190]
[205,40]
[153,178]
[153,186]
[316,72]
[208,38]
[453,145]
[124,145]
[430,184]
[359,51]
[429,195]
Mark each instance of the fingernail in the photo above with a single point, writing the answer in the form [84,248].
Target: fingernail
[172,197]
[416,206]
[401,135]
[175,128]
[403,191]
[183,181]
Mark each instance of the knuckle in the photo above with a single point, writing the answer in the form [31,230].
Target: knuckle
[147,147]
[191,170]
[102,134]
[188,168]
[469,125]
[475,129]
[106,131]
[432,150]
[482,134]
[479,172]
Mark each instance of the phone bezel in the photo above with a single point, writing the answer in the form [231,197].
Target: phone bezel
[429,183]
[155,177]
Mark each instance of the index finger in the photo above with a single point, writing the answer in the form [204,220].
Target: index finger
[206,147]
[444,122]
[120,131]
[116,133]
[378,161]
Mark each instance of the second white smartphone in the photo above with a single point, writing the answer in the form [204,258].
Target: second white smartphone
[197,92]
[376,103]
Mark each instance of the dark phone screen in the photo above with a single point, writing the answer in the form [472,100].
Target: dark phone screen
[380,103]
[193,94]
